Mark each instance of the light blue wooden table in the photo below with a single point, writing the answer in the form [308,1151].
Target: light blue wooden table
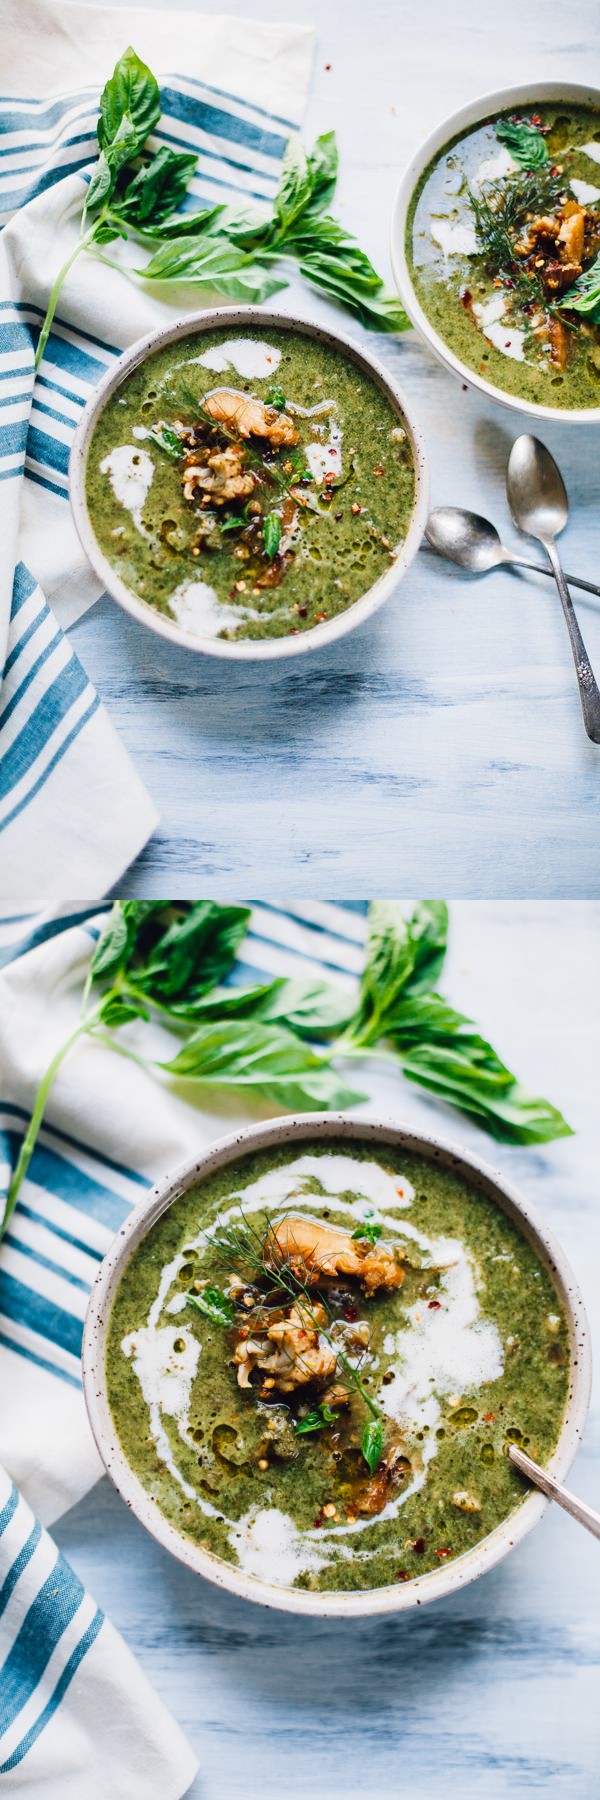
[440,748]
[490,1695]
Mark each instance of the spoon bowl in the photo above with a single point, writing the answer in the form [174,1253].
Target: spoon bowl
[536,491]
[465,538]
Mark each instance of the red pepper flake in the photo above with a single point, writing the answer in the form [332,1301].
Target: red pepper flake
[350,1313]
[379,470]
[355,508]
[319,618]
[434,1305]
[402,1575]
[489,1417]
[302,612]
[317,1523]
[443,1553]
[536,118]
[327,66]
[419,1547]
[338,516]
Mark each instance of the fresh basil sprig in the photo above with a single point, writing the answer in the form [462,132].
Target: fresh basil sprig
[285,1039]
[525,141]
[239,252]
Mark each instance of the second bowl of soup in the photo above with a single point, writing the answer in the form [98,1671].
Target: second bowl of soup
[248,484]
[496,247]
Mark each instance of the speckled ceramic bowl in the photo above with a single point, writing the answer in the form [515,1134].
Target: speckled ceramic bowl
[450,1576]
[237,319]
[526,93]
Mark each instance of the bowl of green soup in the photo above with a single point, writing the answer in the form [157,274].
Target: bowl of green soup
[248,484]
[308,1352]
[496,247]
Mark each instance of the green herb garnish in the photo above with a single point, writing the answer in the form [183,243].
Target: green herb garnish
[371,1444]
[276,398]
[214,1303]
[167,440]
[369,1231]
[316,1421]
[272,535]
[584,296]
[525,141]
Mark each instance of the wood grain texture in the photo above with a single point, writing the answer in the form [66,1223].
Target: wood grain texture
[441,746]
[493,1693]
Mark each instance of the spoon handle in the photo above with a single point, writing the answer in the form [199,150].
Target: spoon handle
[585,1515]
[526,562]
[589,693]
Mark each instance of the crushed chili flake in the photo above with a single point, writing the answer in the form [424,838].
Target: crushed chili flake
[350,1313]
[443,1553]
[488,1417]
[379,470]
[434,1305]
[419,1547]
[402,1575]
[355,508]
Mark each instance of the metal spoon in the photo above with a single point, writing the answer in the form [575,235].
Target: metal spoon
[539,506]
[474,544]
[585,1515]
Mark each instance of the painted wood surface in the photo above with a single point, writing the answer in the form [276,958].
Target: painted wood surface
[492,1694]
[440,747]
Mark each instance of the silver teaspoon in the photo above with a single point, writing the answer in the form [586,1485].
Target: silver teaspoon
[474,544]
[539,506]
[585,1515]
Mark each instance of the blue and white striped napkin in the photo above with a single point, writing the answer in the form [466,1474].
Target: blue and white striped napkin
[76,1714]
[73,813]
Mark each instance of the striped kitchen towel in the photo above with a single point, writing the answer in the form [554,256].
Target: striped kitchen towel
[76,1715]
[73,813]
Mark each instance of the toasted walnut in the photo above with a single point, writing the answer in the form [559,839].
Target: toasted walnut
[241,412]
[314,1251]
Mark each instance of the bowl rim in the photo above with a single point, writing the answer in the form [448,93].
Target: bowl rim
[473,111]
[292,1130]
[235,318]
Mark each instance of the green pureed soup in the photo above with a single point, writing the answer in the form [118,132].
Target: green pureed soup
[249,486]
[503,243]
[316,1362]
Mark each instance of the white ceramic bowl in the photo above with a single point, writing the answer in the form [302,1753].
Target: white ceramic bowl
[237,319]
[450,1576]
[527,93]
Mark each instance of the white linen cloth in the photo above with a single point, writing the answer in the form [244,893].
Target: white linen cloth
[76,1713]
[73,812]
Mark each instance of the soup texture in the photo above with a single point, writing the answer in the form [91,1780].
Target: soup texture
[316,1361]
[503,243]
[249,488]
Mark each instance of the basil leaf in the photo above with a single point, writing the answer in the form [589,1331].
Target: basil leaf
[211,262]
[272,535]
[112,947]
[309,1008]
[188,956]
[214,1303]
[317,1420]
[295,185]
[369,1231]
[120,1009]
[131,92]
[101,184]
[371,1444]
[323,170]
[242,1053]
[187,224]
[471,1077]
[525,142]
[158,188]
[377,309]
[429,939]
[584,296]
